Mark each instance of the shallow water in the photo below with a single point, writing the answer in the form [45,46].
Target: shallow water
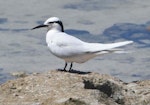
[24,50]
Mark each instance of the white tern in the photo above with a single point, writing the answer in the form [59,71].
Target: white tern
[72,49]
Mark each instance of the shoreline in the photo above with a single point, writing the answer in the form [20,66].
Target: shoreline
[77,88]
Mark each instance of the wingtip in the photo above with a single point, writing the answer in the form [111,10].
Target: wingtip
[130,41]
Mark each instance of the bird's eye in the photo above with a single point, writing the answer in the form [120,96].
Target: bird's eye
[50,22]
[54,22]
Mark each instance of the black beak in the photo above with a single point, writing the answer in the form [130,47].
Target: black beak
[40,26]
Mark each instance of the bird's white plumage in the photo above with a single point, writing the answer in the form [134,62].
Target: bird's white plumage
[72,49]
[52,19]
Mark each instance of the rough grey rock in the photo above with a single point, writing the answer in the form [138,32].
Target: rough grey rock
[76,88]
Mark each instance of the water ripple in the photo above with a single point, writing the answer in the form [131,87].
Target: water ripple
[3,20]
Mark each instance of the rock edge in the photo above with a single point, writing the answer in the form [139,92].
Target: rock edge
[76,88]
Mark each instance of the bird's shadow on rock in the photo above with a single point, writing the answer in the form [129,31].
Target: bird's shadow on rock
[74,71]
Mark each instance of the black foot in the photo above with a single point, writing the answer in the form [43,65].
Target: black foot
[62,70]
[70,70]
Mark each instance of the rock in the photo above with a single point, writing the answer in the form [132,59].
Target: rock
[76,88]
[19,74]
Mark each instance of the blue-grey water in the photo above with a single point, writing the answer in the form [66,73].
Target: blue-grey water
[94,21]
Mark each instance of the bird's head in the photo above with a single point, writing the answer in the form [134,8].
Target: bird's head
[52,23]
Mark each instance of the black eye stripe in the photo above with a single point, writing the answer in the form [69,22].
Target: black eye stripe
[59,22]
[50,22]
[54,22]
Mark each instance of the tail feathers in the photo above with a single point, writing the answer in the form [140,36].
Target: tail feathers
[118,44]
[118,51]
[93,47]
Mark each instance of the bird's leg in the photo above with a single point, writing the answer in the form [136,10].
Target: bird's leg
[65,66]
[71,66]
